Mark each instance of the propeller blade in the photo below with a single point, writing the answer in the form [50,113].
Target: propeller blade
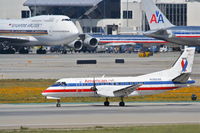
[94,85]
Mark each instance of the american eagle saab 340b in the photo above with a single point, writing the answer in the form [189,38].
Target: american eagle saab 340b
[45,30]
[176,77]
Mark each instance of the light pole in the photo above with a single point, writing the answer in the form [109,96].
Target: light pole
[127,14]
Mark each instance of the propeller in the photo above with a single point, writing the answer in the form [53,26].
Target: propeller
[94,88]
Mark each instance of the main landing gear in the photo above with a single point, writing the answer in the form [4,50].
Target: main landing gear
[24,50]
[58,103]
[8,50]
[107,103]
[41,51]
[122,102]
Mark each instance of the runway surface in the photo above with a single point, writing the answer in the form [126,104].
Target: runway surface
[95,114]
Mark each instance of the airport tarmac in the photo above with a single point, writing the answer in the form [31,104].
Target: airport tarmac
[96,115]
[52,66]
[55,66]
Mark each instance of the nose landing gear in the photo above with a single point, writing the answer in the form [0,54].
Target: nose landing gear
[58,103]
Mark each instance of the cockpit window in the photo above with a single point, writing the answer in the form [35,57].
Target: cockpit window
[66,19]
[60,84]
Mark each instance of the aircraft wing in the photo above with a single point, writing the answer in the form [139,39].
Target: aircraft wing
[17,39]
[116,91]
[126,91]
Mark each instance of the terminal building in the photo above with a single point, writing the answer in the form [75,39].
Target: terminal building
[104,16]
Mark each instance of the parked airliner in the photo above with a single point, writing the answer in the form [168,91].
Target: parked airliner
[162,28]
[176,77]
[121,40]
[45,30]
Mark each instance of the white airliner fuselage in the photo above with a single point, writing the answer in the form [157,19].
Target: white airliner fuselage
[176,77]
[46,30]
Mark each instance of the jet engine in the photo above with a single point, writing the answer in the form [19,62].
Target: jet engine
[77,45]
[90,42]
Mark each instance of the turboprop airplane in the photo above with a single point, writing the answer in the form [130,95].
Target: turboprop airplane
[162,28]
[45,30]
[176,77]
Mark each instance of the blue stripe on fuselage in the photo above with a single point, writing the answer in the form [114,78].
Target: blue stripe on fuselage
[124,83]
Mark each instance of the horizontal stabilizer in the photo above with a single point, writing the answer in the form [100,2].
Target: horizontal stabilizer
[126,91]
[183,78]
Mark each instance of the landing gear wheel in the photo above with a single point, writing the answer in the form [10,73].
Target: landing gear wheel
[106,103]
[122,104]
[24,51]
[41,51]
[58,103]
[64,52]
[8,51]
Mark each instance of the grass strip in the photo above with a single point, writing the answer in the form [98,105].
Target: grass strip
[134,129]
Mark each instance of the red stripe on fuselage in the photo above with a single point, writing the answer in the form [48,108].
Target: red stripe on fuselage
[189,36]
[156,88]
[68,90]
[89,90]
[133,42]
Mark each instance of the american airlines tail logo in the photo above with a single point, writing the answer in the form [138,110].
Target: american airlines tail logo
[157,18]
[184,64]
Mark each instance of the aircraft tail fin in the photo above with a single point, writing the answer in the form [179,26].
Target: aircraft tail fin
[185,61]
[156,19]
[182,69]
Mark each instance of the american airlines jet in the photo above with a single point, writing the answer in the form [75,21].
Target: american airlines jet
[161,28]
[176,77]
[45,30]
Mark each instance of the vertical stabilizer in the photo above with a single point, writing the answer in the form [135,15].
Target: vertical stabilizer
[156,19]
[185,61]
[181,70]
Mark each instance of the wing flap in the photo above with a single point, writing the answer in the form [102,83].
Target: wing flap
[126,91]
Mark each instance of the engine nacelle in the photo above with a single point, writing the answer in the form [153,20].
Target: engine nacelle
[91,42]
[77,45]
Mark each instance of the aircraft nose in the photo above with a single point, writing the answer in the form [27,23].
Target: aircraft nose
[44,93]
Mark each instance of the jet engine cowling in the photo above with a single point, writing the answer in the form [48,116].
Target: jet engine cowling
[77,45]
[91,42]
